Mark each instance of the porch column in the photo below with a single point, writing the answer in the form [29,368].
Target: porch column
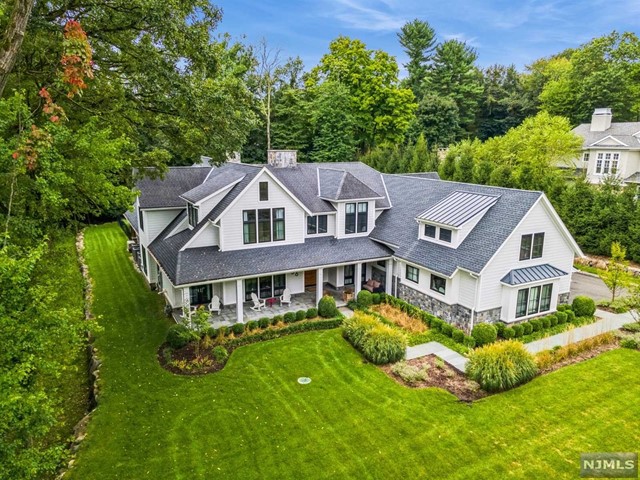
[319,284]
[357,282]
[239,301]
[388,281]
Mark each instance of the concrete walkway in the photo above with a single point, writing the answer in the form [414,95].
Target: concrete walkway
[454,359]
[608,323]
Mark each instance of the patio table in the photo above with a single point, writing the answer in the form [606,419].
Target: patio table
[270,301]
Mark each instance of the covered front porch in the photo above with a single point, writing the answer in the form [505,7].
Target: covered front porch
[306,287]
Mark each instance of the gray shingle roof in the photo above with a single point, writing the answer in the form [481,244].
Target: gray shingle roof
[429,175]
[218,179]
[622,131]
[519,276]
[165,192]
[302,181]
[209,263]
[342,185]
[458,208]
[411,196]
[133,219]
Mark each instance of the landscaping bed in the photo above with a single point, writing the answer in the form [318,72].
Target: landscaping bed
[437,374]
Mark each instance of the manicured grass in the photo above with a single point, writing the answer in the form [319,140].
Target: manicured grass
[253,420]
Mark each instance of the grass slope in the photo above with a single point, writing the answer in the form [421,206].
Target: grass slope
[252,420]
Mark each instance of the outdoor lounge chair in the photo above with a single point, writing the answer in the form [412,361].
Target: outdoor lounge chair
[285,297]
[214,306]
[257,303]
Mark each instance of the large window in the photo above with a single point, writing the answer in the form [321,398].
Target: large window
[140,219]
[192,212]
[438,284]
[263,225]
[265,287]
[412,273]
[356,217]
[278,224]
[531,246]
[599,163]
[445,235]
[534,300]
[249,226]
[349,274]
[264,191]
[316,224]
[200,294]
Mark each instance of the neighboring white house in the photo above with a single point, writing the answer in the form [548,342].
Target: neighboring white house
[609,149]
[467,253]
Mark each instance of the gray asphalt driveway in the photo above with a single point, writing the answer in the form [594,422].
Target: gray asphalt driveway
[591,286]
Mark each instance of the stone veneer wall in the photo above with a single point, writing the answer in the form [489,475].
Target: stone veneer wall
[563,298]
[488,316]
[456,315]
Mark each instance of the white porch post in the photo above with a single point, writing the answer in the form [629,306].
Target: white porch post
[239,300]
[357,282]
[319,283]
[388,281]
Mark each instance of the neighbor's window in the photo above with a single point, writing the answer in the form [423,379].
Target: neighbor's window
[585,157]
[445,234]
[412,274]
[438,284]
[599,163]
[430,231]
[614,163]
[531,246]
[192,212]
[350,218]
[264,191]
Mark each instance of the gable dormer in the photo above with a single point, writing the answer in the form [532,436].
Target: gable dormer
[450,220]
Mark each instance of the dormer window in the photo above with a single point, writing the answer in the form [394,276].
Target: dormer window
[264,191]
[430,231]
[356,217]
[445,235]
[316,224]
[192,212]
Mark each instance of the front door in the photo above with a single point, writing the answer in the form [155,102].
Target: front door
[309,279]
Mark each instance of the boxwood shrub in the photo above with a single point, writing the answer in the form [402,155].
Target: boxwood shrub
[518,331]
[553,318]
[583,306]
[436,324]
[375,298]
[178,336]
[469,341]
[264,322]
[252,325]
[484,333]
[237,328]
[562,317]
[277,319]
[301,315]
[327,307]
[446,329]
[364,298]
[289,317]
[312,313]
[501,365]
[220,353]
[500,328]
[457,335]
[536,324]
[546,322]
[508,333]
[527,327]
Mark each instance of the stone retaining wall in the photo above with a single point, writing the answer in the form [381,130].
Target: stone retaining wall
[456,315]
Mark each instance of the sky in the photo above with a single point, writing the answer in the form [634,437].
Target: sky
[502,31]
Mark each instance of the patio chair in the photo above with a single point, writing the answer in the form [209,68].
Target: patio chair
[257,303]
[214,306]
[285,297]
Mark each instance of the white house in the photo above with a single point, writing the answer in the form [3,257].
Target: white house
[467,253]
[610,149]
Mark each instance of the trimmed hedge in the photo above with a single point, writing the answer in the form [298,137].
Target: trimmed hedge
[281,332]
[446,329]
[457,335]
[289,317]
[583,306]
[518,331]
[546,322]
[562,317]
[484,333]
[501,365]
[536,324]
[528,328]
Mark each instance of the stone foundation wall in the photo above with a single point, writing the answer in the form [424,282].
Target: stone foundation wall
[488,316]
[563,298]
[456,315]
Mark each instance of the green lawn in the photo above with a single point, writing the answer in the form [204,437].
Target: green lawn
[252,420]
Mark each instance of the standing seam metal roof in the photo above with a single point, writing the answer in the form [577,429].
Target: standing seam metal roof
[458,208]
[519,276]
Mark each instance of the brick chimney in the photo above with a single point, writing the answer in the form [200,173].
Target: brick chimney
[282,158]
[601,119]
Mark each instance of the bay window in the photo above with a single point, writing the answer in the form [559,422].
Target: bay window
[534,300]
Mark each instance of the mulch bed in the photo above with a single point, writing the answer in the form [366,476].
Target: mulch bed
[446,377]
[187,353]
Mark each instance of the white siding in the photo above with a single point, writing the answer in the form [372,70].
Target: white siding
[295,282]
[424,284]
[206,237]
[155,221]
[231,221]
[466,287]
[557,251]
[229,293]
[331,228]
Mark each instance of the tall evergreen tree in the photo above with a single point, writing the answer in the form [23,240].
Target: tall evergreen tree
[418,39]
